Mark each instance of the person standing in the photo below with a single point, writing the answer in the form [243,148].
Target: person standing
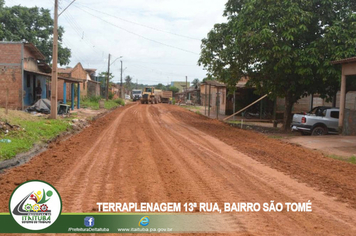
[38,91]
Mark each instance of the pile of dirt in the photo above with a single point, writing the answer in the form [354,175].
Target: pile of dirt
[260,129]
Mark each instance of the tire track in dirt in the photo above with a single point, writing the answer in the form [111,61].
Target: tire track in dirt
[207,172]
[83,181]
[196,186]
[162,153]
[269,187]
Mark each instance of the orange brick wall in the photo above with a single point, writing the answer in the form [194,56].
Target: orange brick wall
[60,90]
[10,75]
[79,73]
[10,53]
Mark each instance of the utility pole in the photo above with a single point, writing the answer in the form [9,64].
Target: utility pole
[234,103]
[107,80]
[186,88]
[121,88]
[54,64]
[136,83]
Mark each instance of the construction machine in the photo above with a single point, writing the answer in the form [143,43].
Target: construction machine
[148,95]
[166,96]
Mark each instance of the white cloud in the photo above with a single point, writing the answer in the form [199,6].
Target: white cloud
[92,39]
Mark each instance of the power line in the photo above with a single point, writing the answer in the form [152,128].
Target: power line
[146,26]
[66,8]
[152,40]
[155,63]
[158,71]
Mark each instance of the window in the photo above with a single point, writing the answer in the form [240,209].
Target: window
[318,111]
[334,114]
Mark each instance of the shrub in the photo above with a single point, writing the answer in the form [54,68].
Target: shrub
[94,99]
[120,101]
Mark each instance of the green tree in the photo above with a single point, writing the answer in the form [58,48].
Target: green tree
[161,86]
[103,76]
[128,82]
[33,25]
[285,47]
[173,89]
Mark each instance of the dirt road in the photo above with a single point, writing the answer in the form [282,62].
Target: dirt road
[163,153]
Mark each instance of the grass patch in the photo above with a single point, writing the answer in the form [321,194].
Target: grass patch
[90,102]
[275,136]
[198,112]
[351,159]
[32,131]
[188,107]
[93,103]
[235,122]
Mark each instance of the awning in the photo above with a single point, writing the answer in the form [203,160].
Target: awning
[71,80]
[93,81]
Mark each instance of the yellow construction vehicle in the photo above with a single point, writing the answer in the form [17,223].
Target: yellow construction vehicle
[148,95]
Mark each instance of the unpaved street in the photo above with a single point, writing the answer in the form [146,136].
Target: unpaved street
[163,153]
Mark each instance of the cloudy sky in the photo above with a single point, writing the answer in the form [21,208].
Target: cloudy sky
[159,40]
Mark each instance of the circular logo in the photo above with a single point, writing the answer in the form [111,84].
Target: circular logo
[35,205]
[144,221]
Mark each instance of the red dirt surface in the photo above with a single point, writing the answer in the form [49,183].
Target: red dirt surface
[164,153]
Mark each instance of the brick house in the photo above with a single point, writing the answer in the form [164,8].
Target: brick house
[22,72]
[88,87]
[77,72]
[216,93]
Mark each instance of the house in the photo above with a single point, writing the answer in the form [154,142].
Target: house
[78,72]
[275,108]
[22,70]
[213,96]
[347,119]
[24,75]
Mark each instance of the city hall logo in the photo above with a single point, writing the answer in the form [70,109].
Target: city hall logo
[35,205]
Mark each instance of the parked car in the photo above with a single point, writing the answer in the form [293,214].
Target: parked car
[319,121]
[127,97]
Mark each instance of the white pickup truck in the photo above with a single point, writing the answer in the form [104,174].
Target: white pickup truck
[319,121]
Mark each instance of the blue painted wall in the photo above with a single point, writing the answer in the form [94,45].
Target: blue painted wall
[29,90]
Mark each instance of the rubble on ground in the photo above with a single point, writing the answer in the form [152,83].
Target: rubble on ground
[6,127]
[78,124]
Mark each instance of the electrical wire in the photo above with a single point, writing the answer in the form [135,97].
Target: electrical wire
[128,31]
[142,25]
